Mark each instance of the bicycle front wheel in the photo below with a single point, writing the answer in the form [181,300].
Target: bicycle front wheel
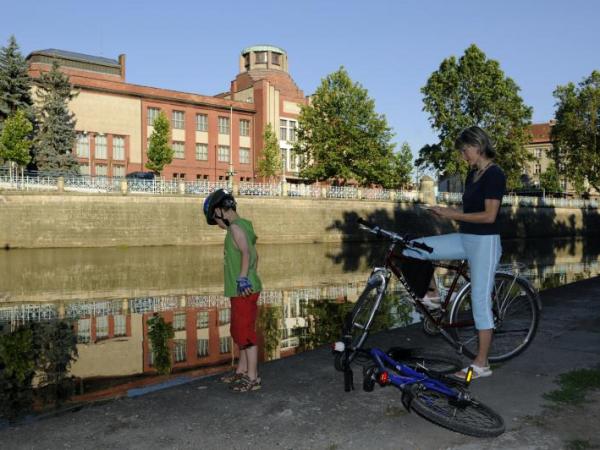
[358,322]
[516,317]
[467,417]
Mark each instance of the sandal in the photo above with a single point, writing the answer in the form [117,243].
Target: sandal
[478,372]
[232,377]
[246,385]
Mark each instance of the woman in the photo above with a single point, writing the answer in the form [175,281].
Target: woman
[479,238]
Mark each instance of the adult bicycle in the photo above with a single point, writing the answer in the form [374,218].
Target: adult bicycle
[516,305]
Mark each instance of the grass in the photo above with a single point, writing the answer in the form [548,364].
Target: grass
[574,385]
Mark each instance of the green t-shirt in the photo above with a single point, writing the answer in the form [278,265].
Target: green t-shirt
[233,259]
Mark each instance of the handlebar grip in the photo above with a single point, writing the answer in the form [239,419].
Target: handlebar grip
[422,246]
[362,221]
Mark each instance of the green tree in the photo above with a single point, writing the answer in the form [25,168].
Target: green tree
[160,152]
[475,91]
[400,169]
[15,139]
[549,180]
[341,137]
[15,84]
[160,332]
[269,164]
[576,133]
[53,146]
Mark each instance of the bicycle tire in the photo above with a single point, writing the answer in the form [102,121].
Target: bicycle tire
[359,321]
[516,318]
[472,418]
[426,361]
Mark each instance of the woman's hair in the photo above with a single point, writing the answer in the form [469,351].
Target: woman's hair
[477,137]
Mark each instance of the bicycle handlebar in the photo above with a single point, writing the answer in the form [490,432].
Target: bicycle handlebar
[380,232]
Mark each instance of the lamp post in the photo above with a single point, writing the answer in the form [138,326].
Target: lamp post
[230,173]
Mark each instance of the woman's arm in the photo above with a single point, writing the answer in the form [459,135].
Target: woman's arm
[492,206]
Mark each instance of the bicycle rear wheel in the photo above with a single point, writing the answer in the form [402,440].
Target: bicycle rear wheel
[426,361]
[516,317]
[468,417]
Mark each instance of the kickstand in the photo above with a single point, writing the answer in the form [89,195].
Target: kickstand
[348,379]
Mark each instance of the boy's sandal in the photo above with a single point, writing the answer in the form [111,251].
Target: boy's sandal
[246,385]
[478,372]
[232,377]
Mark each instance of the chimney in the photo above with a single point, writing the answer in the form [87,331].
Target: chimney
[122,64]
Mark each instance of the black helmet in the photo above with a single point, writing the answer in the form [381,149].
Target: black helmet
[221,198]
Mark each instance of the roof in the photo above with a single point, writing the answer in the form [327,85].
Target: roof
[74,56]
[263,48]
[540,132]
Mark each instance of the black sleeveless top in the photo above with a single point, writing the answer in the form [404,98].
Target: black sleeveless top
[491,185]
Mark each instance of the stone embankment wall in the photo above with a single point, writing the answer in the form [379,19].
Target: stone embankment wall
[69,220]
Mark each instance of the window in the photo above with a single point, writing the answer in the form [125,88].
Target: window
[247,60]
[101,170]
[538,169]
[283,130]
[224,316]
[101,327]
[244,127]
[178,120]
[83,145]
[202,347]
[118,171]
[119,148]
[152,115]
[225,344]
[276,58]
[179,321]
[83,331]
[538,152]
[223,125]
[178,150]
[223,153]
[201,122]
[120,325]
[292,130]
[293,161]
[100,146]
[84,169]
[202,319]
[244,155]
[202,152]
[261,57]
[563,184]
[179,350]
[284,158]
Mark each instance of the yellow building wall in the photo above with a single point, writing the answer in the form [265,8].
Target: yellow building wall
[110,114]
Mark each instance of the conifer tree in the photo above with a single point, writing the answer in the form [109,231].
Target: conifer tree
[53,146]
[160,152]
[15,84]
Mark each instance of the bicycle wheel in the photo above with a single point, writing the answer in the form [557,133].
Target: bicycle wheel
[426,361]
[359,321]
[516,317]
[467,417]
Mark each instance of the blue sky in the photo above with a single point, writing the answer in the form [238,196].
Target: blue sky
[390,47]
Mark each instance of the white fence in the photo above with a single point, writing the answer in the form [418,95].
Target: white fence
[87,184]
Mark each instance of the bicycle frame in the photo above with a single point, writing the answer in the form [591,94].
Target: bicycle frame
[409,376]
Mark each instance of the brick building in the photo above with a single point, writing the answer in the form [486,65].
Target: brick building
[212,136]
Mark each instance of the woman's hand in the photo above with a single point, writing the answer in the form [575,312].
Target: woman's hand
[442,211]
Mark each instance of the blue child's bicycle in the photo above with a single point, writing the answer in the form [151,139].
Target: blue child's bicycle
[432,394]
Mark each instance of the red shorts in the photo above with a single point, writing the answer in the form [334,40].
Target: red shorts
[243,320]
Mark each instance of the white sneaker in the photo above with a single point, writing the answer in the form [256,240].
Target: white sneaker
[432,302]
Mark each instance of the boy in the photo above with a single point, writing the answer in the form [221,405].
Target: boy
[242,285]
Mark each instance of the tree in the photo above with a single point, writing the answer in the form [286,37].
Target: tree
[576,133]
[341,137]
[549,180]
[15,139]
[269,165]
[53,146]
[475,91]
[160,152]
[400,169]
[15,84]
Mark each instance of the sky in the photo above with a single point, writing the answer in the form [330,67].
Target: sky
[389,47]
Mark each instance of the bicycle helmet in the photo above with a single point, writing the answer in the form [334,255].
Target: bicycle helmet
[221,198]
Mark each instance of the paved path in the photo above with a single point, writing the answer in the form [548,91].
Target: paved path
[303,405]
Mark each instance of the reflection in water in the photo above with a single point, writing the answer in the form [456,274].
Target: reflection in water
[109,295]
